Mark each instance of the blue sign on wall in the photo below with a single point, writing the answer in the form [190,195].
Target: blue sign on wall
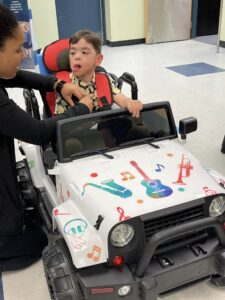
[21,11]
[19,8]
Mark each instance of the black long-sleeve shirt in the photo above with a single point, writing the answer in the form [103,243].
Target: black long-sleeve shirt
[16,123]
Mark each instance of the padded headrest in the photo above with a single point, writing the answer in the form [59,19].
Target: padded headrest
[56,56]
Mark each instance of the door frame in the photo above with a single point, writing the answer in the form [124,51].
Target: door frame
[194,18]
[103,21]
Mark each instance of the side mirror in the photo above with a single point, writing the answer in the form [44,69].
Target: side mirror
[186,126]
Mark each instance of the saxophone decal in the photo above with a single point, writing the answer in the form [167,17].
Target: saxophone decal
[154,188]
[111,187]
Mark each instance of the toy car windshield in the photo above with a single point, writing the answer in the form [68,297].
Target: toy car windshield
[105,131]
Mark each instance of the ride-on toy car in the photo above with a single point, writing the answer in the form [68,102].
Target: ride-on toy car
[136,213]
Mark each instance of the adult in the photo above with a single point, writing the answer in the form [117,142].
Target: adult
[21,241]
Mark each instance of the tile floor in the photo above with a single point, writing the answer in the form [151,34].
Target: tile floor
[202,96]
[195,69]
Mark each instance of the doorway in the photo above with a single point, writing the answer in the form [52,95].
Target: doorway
[205,17]
[73,15]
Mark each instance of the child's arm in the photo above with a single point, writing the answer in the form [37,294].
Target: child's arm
[133,106]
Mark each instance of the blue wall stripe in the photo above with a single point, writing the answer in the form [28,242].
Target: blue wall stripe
[1,288]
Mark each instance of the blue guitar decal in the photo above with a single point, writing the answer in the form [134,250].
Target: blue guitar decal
[154,188]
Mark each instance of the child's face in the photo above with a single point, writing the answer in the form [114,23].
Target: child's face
[83,60]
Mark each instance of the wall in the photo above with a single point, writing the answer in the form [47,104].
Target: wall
[44,21]
[124,20]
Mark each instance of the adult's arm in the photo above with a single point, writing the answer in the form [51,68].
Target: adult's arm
[16,123]
[30,80]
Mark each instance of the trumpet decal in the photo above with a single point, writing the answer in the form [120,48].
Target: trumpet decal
[185,170]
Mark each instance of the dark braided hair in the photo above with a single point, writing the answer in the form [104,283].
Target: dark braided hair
[8,25]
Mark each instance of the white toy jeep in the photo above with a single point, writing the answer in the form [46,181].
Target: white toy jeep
[136,213]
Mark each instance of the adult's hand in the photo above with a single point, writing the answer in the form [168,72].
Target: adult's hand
[70,89]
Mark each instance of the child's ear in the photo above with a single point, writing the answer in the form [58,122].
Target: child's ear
[99,59]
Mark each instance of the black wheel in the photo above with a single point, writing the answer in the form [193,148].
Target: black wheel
[223,146]
[217,280]
[29,195]
[60,272]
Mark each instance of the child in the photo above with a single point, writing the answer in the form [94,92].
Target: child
[85,55]
[27,45]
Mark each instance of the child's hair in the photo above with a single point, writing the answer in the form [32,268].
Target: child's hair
[8,25]
[89,36]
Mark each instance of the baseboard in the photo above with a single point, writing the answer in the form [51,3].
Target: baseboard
[125,43]
[222,44]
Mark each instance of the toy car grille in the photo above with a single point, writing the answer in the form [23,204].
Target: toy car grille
[165,222]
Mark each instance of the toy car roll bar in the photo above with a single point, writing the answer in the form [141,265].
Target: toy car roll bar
[128,78]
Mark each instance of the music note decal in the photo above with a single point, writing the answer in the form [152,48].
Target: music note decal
[159,168]
[112,188]
[78,243]
[209,192]
[95,253]
[185,170]
[122,217]
[154,188]
[57,213]
[127,175]
[222,183]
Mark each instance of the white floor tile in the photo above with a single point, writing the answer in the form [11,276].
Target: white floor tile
[27,284]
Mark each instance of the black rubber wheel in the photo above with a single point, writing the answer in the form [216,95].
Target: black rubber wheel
[223,146]
[29,194]
[217,280]
[60,272]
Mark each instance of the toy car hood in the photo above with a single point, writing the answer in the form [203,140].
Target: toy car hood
[138,180]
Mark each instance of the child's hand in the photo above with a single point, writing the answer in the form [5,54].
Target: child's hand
[88,101]
[134,107]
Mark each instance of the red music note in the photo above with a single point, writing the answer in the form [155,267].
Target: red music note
[159,168]
[97,250]
[57,213]
[127,175]
[122,216]
[209,192]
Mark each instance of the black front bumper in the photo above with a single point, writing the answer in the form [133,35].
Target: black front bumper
[155,275]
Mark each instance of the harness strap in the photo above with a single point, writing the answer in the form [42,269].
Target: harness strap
[103,86]
[104,91]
